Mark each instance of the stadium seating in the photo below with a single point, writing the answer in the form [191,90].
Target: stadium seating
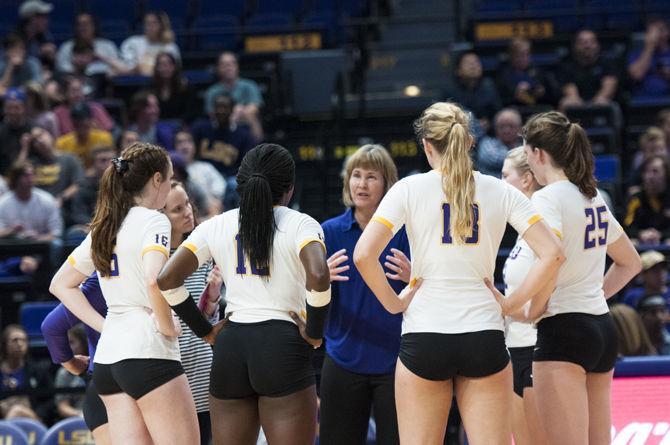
[32,315]
[33,429]
[71,430]
[12,434]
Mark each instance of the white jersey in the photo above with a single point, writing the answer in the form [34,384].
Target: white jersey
[517,265]
[257,295]
[453,298]
[586,227]
[129,331]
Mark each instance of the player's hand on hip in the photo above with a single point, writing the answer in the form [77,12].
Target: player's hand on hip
[211,337]
[302,327]
[500,298]
[407,294]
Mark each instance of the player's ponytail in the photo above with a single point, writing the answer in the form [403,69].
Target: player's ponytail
[579,169]
[120,184]
[446,127]
[567,145]
[267,172]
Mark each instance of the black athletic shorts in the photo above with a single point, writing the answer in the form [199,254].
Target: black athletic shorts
[135,377]
[267,358]
[587,340]
[435,356]
[522,368]
[95,414]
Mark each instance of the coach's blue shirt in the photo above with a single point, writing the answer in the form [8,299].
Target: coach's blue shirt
[361,336]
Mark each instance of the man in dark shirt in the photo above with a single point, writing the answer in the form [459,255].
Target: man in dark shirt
[586,77]
[221,143]
[13,126]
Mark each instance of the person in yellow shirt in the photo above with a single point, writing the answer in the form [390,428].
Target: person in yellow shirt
[84,138]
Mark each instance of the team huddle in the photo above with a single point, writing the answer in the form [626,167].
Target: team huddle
[403,337]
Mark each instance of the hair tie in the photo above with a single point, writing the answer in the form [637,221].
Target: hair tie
[121,165]
[260,175]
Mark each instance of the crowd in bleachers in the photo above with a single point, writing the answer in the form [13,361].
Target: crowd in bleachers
[62,124]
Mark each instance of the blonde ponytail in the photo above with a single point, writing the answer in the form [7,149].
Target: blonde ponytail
[458,181]
[445,125]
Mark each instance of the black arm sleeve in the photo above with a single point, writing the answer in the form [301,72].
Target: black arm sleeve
[316,321]
[191,315]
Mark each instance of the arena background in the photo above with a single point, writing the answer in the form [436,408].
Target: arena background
[336,74]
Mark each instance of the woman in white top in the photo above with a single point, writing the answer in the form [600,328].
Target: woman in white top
[274,265]
[520,336]
[137,370]
[453,331]
[576,348]
[139,52]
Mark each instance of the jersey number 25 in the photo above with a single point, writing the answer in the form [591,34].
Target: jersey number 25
[596,227]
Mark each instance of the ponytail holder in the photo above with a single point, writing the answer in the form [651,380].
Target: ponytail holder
[121,165]
[260,175]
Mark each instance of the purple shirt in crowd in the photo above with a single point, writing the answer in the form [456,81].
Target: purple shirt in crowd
[60,320]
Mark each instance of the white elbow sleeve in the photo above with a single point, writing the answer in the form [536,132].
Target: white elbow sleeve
[318,299]
[175,296]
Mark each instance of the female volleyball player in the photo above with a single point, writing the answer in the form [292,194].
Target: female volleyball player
[272,259]
[576,346]
[362,338]
[196,355]
[520,337]
[452,329]
[137,370]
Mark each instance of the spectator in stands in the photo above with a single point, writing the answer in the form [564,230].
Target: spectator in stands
[34,30]
[19,372]
[16,66]
[521,83]
[70,405]
[139,52]
[144,115]
[663,122]
[631,333]
[224,144]
[175,96]
[196,193]
[60,174]
[202,173]
[27,212]
[74,92]
[653,310]
[244,92]
[650,68]
[473,91]
[648,212]
[83,57]
[653,278]
[493,150]
[106,53]
[585,77]
[651,143]
[37,109]
[83,203]
[126,138]
[14,125]
[85,137]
